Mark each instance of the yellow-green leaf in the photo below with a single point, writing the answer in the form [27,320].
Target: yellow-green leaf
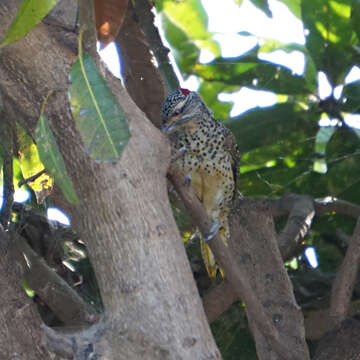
[52,159]
[30,163]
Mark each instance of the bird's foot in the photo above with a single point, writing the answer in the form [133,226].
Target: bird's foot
[179,153]
[187,180]
[213,230]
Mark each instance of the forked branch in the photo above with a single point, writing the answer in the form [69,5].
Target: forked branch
[240,285]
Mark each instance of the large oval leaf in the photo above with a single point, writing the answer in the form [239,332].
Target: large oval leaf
[52,159]
[98,116]
[30,13]
[254,73]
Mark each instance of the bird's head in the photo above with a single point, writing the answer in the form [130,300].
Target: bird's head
[179,108]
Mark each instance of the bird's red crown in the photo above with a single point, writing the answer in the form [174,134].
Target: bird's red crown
[185,91]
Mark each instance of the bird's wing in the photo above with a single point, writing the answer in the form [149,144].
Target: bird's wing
[231,146]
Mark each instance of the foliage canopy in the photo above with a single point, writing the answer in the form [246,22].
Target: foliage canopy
[285,147]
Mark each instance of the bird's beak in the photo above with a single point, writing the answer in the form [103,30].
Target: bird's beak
[168,128]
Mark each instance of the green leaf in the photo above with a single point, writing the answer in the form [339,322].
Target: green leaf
[30,13]
[209,91]
[189,15]
[355,17]
[357,132]
[98,116]
[185,26]
[185,51]
[265,126]
[310,72]
[254,73]
[331,36]
[294,6]
[351,98]
[52,159]
[263,5]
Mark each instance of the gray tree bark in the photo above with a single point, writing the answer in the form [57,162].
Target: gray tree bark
[152,306]
[20,336]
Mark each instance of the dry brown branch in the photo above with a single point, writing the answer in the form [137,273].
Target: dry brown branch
[341,207]
[64,301]
[146,22]
[240,284]
[344,282]
[141,77]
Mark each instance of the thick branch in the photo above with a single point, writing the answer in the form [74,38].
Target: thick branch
[345,279]
[302,211]
[322,206]
[146,21]
[77,342]
[241,285]
[218,300]
[341,207]
[51,288]
[141,77]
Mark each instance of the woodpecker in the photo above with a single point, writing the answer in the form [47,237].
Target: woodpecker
[210,160]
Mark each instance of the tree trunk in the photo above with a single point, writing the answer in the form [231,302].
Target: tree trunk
[20,336]
[152,306]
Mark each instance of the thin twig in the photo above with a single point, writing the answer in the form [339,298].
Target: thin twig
[241,285]
[8,184]
[344,282]
[31,178]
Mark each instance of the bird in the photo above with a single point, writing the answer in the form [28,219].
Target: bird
[209,158]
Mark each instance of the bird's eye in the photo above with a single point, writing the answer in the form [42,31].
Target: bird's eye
[177,112]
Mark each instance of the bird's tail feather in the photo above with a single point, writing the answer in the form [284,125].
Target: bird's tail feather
[209,260]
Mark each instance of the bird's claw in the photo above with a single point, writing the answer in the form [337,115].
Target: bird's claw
[213,230]
[187,180]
